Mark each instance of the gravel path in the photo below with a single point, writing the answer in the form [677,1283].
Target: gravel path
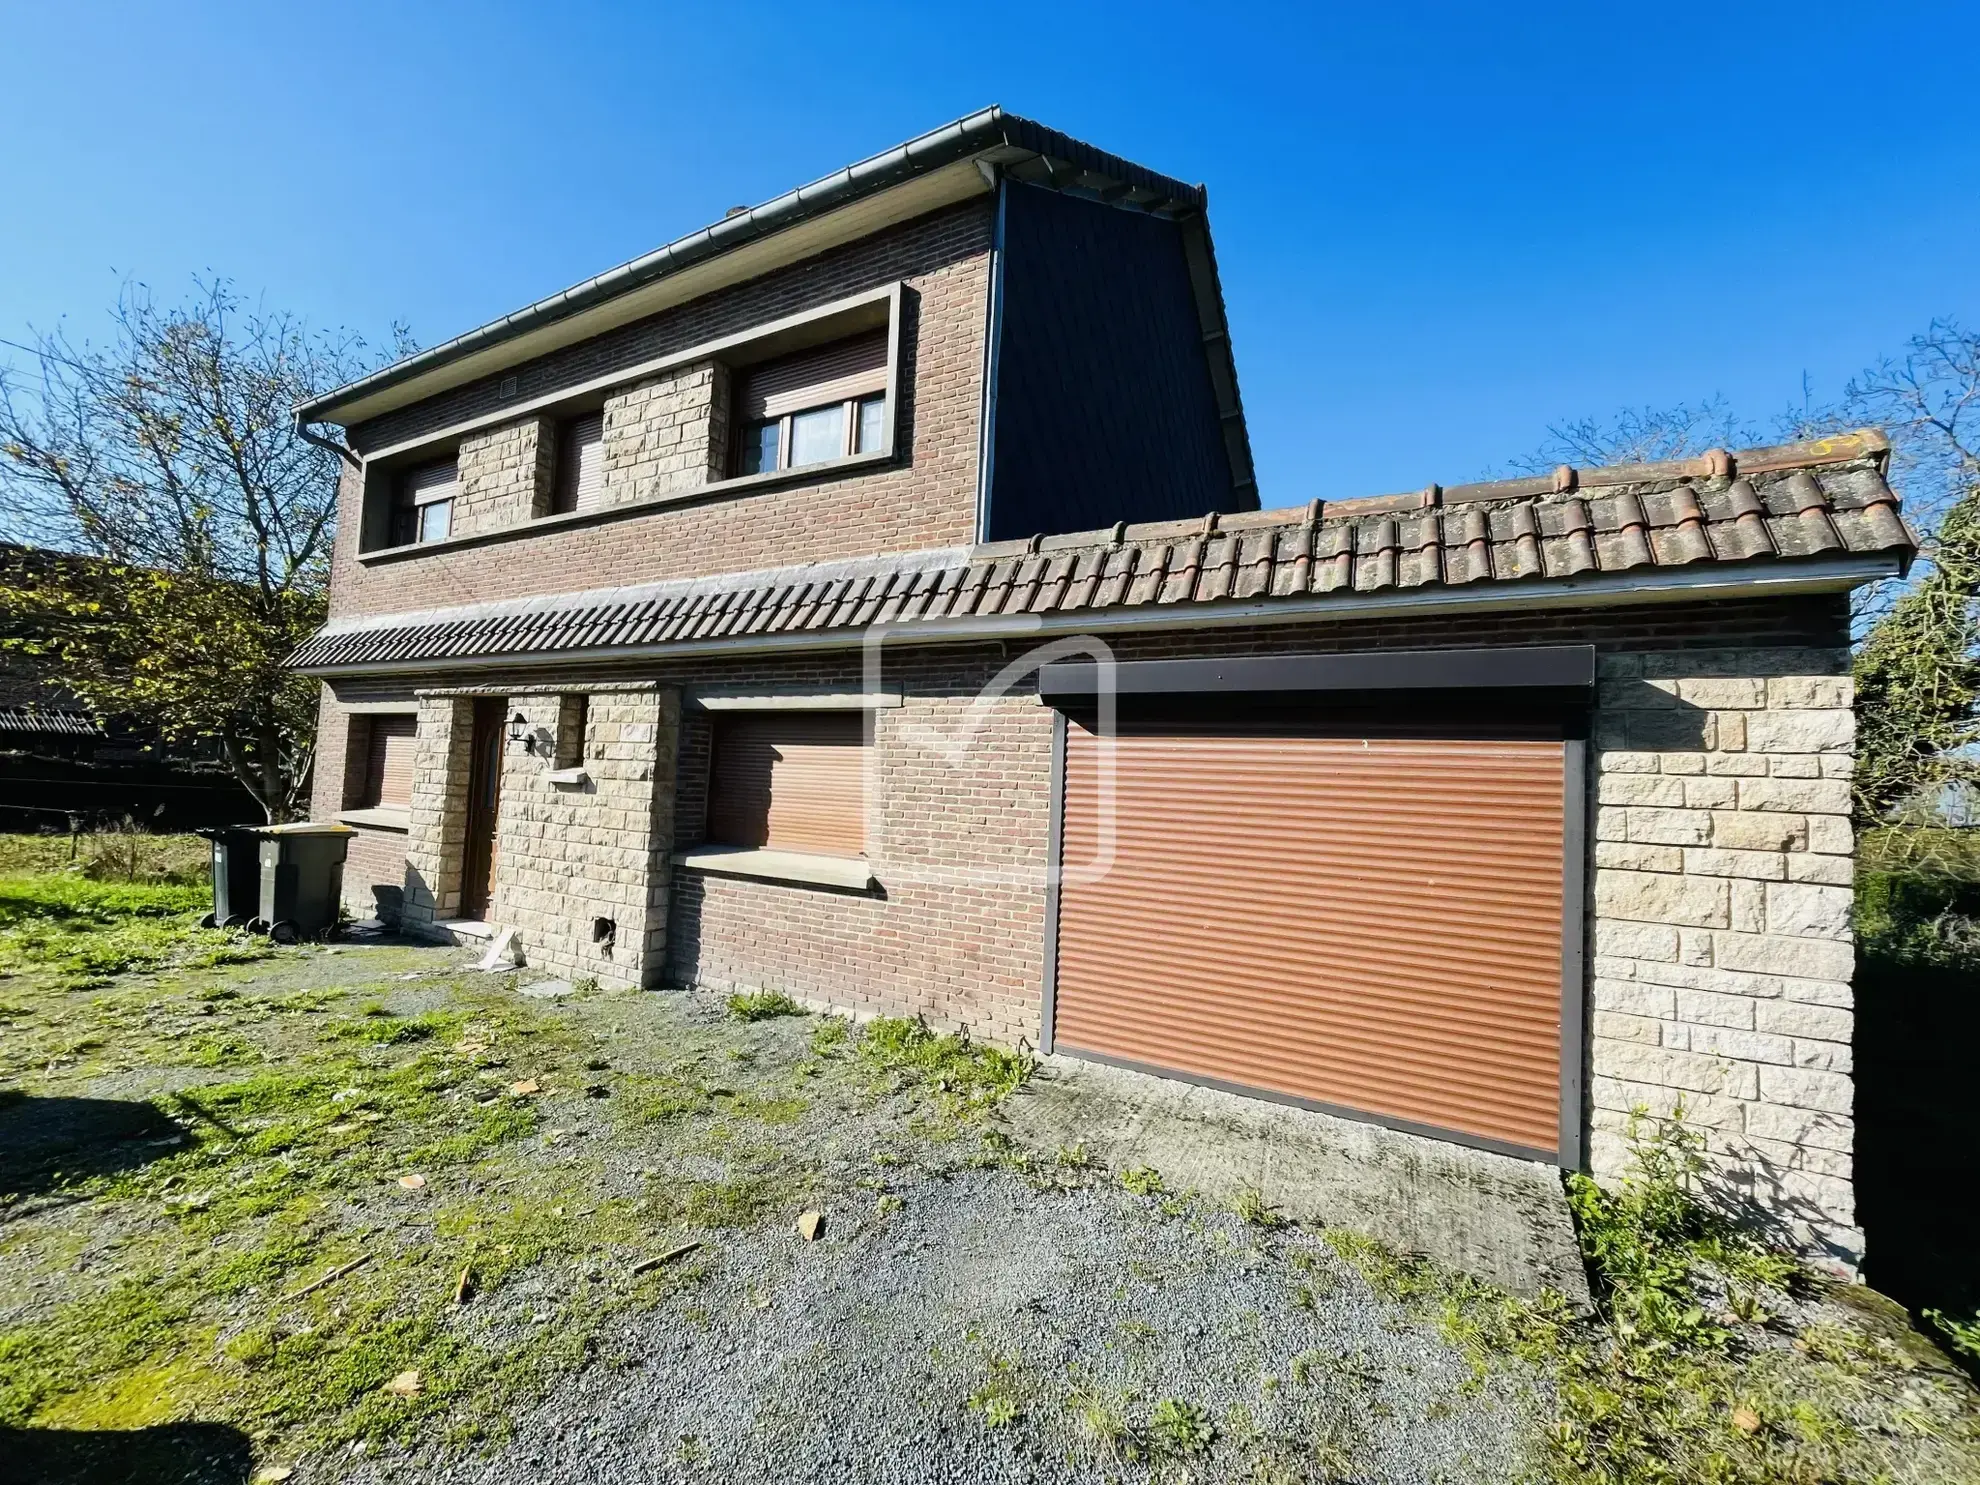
[856,1358]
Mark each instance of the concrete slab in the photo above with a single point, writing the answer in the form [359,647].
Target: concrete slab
[1502,1219]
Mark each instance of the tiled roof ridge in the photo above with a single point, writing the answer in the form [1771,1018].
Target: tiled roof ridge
[1792,503]
[1565,480]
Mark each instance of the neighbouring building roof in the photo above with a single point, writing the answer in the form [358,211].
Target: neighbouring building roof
[28,719]
[1818,512]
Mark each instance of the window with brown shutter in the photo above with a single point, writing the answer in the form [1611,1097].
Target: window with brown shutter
[818,405]
[580,464]
[789,781]
[389,768]
[423,503]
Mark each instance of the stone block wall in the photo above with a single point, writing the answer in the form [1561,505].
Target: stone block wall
[1722,946]
[506,476]
[438,833]
[572,853]
[667,433]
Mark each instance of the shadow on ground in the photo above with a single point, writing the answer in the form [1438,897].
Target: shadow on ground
[171,1454]
[47,1143]
[1917,1131]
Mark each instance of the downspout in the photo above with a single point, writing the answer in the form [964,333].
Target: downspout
[993,339]
[303,432]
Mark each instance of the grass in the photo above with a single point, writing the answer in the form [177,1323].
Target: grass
[763,1005]
[1671,1382]
[83,931]
[297,1091]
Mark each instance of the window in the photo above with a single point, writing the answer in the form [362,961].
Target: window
[817,406]
[388,767]
[423,503]
[789,781]
[573,717]
[580,465]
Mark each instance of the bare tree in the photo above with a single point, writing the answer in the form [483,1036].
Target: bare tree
[1639,435]
[167,461]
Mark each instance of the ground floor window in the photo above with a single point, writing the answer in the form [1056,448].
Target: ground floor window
[388,768]
[789,781]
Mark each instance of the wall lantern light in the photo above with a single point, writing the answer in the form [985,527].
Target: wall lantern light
[518,725]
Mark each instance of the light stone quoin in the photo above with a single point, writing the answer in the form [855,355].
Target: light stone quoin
[1721,898]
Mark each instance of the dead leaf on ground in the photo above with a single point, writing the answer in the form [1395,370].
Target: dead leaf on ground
[1746,1420]
[406,1384]
[273,1474]
[470,1049]
[413,1183]
[526,1087]
[464,1288]
[810,1225]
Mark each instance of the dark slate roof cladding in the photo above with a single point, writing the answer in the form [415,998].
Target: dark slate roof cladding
[1793,503]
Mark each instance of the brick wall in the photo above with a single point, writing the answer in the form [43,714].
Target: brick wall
[374,869]
[573,853]
[926,498]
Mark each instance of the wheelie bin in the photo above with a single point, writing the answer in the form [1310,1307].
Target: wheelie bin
[236,875]
[302,879]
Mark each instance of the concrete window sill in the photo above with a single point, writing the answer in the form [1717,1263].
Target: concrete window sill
[383,817]
[569,778]
[853,872]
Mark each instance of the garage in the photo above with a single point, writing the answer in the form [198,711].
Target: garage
[1347,885]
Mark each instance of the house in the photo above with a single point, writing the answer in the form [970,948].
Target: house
[867,598]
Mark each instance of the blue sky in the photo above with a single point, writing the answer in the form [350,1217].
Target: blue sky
[1440,228]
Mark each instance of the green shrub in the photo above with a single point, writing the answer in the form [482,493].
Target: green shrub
[967,1077]
[763,1005]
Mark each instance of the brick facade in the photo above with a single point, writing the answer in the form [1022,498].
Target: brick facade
[925,498]
[1718,889]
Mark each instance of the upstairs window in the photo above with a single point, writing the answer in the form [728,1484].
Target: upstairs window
[580,465]
[423,503]
[813,407]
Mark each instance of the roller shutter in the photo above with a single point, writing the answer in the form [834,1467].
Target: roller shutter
[790,781]
[581,464]
[833,373]
[1367,923]
[389,770]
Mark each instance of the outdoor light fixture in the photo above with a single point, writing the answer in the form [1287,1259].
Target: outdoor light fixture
[517,724]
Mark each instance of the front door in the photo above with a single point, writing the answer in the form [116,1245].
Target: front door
[484,806]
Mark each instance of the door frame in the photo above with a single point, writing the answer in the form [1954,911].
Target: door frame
[1557,683]
[482,817]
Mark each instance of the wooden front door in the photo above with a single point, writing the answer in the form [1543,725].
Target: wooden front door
[484,806]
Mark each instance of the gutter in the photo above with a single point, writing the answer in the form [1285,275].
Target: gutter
[944,146]
[1656,585]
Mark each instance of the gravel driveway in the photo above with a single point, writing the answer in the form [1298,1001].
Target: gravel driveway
[857,1358]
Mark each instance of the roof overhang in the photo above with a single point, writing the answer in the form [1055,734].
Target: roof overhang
[1705,582]
[944,166]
